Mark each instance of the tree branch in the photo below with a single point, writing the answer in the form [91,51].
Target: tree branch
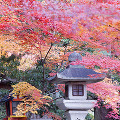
[62,60]
[47,53]
[113,27]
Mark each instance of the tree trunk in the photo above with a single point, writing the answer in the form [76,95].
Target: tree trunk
[100,113]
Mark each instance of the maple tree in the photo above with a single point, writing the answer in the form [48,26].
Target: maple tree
[38,25]
[105,63]
[45,22]
[35,24]
[32,99]
[8,46]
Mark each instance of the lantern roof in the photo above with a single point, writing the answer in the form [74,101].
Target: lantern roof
[76,73]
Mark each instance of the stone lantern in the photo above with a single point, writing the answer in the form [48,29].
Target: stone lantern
[75,78]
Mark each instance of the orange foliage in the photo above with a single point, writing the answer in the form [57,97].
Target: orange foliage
[32,98]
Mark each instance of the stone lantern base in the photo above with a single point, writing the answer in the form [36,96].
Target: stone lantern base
[76,115]
[75,109]
[84,105]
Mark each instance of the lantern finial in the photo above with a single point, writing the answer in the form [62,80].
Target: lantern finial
[74,56]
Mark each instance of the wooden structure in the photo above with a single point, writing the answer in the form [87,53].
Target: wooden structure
[11,104]
[12,117]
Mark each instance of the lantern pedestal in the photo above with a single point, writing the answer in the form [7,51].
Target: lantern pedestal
[76,115]
[75,109]
[75,104]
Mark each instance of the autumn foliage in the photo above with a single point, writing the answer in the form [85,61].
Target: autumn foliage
[32,98]
[37,26]
[105,63]
[109,95]
[35,23]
